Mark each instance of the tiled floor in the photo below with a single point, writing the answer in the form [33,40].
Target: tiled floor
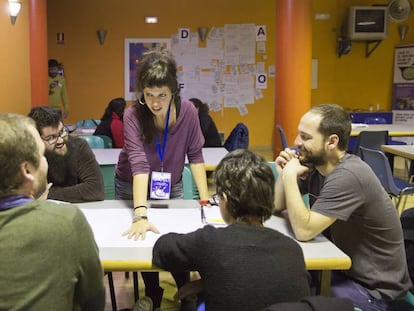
[124,286]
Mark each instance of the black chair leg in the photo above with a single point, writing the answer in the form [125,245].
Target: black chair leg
[136,288]
[112,291]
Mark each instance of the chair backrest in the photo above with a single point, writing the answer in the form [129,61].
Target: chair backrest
[282,136]
[108,174]
[272,165]
[94,142]
[371,140]
[407,223]
[238,138]
[378,162]
[107,140]
[189,187]
[88,123]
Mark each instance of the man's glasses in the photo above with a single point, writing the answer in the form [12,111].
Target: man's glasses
[214,200]
[52,139]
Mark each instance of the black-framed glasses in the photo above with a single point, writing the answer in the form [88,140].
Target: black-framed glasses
[214,200]
[52,139]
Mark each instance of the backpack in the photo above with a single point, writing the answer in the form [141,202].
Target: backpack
[407,222]
[238,139]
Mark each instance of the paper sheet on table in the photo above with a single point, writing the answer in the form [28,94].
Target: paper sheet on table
[107,231]
[213,216]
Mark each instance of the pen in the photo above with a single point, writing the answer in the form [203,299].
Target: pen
[203,216]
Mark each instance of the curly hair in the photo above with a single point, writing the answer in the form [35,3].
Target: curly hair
[248,182]
[17,145]
[44,116]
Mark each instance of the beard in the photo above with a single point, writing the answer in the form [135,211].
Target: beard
[41,187]
[308,158]
[62,168]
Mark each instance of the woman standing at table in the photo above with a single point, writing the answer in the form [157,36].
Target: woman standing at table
[160,130]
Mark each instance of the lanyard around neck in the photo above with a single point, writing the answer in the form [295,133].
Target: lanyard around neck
[161,149]
[13,201]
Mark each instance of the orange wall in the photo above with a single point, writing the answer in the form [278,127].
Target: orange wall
[14,60]
[95,73]
[353,81]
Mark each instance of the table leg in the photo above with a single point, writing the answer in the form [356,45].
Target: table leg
[136,289]
[325,283]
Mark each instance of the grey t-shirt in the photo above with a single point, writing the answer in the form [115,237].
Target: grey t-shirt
[367,228]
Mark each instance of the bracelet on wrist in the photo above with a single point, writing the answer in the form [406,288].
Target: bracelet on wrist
[137,218]
[140,206]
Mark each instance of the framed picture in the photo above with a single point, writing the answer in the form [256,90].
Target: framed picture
[134,48]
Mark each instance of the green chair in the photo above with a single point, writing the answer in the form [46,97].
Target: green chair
[87,123]
[273,167]
[108,174]
[189,186]
[94,142]
[409,298]
[107,140]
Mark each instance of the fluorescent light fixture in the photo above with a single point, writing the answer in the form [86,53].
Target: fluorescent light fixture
[14,9]
[151,19]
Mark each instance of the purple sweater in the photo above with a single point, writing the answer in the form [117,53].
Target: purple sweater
[184,138]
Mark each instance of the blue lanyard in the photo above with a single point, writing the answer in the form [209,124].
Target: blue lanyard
[13,201]
[161,152]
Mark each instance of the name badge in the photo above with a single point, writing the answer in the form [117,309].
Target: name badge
[160,185]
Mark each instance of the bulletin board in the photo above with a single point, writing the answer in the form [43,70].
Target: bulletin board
[223,71]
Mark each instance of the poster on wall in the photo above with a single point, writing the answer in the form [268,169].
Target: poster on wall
[403,85]
[134,48]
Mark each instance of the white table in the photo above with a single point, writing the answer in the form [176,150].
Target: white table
[83,131]
[110,218]
[394,130]
[405,151]
[107,156]
[212,156]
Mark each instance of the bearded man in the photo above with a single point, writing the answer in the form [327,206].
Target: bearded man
[73,171]
[347,198]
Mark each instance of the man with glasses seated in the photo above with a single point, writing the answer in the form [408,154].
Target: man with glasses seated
[73,171]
